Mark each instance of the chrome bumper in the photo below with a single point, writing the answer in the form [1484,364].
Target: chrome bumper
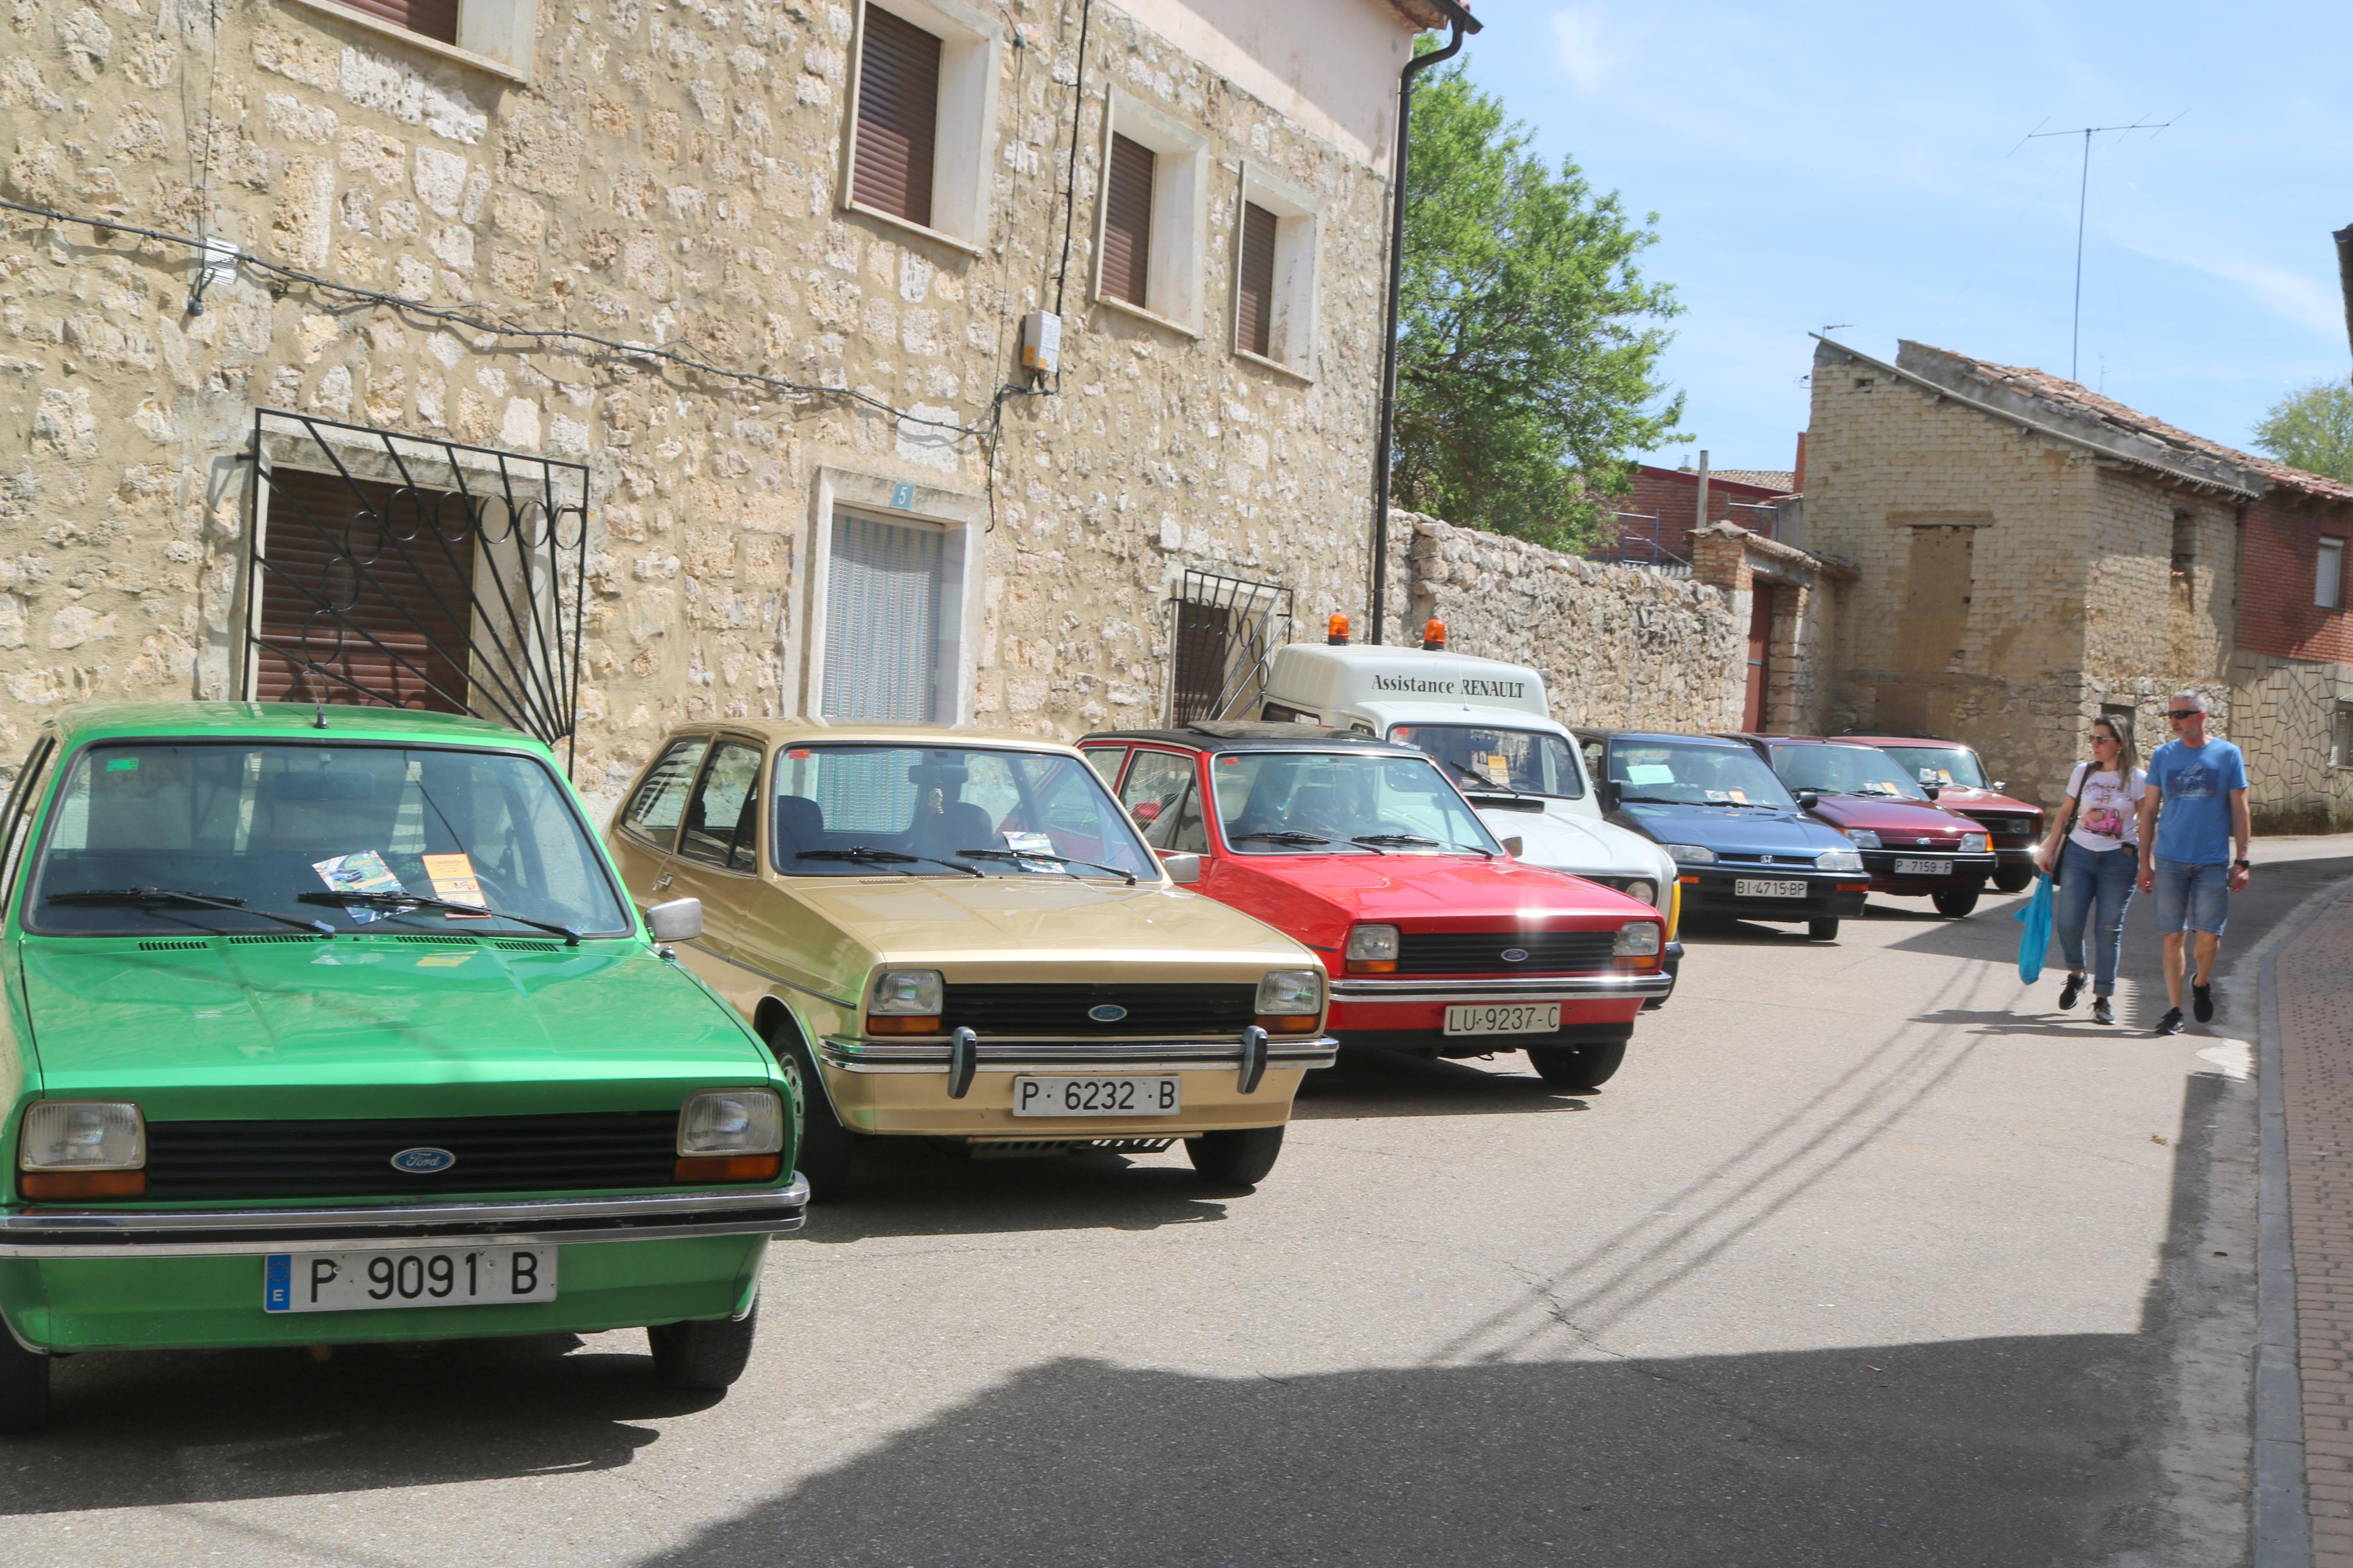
[208,1233]
[1070,1056]
[1532,988]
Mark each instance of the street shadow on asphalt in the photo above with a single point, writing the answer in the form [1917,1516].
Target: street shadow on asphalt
[1383,1083]
[905,1186]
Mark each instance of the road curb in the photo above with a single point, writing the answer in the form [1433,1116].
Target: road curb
[2282,1523]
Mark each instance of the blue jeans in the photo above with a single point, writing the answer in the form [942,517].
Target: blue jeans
[2191,896]
[2086,878]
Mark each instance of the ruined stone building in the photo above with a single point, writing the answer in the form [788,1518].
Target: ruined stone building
[683,339]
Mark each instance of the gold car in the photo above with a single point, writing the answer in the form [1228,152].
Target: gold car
[946,933]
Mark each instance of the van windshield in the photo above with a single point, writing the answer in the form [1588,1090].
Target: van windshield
[1525,760]
[1326,802]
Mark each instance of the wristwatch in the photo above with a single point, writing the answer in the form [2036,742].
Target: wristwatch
[2243,865]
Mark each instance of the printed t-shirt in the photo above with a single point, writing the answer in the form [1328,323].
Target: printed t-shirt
[2107,813]
[2193,813]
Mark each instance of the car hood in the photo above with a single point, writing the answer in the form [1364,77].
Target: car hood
[940,920]
[1959,797]
[1905,818]
[377,1027]
[1728,829]
[1584,846]
[1434,891]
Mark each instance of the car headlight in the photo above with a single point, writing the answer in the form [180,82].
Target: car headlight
[82,1149]
[1373,949]
[904,1001]
[1689,853]
[1974,844]
[1290,1001]
[731,1135]
[1839,861]
[1636,938]
[1862,838]
[1642,891]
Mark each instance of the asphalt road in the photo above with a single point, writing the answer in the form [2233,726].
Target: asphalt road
[1866,1258]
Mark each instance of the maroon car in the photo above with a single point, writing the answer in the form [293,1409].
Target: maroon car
[1911,847]
[1955,778]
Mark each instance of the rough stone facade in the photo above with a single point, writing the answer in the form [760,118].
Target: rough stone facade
[1801,642]
[669,175]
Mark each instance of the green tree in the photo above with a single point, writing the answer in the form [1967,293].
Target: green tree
[2312,429]
[1529,341]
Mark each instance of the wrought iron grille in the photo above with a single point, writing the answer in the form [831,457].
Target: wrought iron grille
[1226,630]
[401,571]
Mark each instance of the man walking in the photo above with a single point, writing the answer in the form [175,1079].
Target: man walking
[2197,857]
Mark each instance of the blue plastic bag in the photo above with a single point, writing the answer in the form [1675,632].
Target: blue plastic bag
[2035,939]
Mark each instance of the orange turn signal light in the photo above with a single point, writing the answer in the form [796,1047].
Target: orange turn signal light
[1372,966]
[728,1168]
[53,1186]
[903,1023]
[1638,961]
[1286,1023]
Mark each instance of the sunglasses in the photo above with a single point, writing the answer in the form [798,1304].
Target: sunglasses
[2186,713]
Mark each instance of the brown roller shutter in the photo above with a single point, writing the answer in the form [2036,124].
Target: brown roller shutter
[319,525]
[898,117]
[1254,309]
[431,19]
[1127,221]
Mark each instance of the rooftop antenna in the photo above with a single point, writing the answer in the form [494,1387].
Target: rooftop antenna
[2082,192]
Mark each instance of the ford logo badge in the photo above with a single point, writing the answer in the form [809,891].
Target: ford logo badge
[1515,955]
[424,1162]
[1109,1013]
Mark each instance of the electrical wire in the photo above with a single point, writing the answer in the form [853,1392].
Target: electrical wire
[1070,181]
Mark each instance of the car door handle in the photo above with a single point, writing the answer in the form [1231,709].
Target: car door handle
[661,881]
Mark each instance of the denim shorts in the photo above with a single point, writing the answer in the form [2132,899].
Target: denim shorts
[2191,896]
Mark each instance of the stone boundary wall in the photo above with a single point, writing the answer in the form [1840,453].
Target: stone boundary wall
[2281,713]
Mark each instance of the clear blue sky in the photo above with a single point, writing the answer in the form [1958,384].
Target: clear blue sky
[1855,162]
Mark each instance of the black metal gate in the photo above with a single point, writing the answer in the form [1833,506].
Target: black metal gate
[401,571]
[1226,629]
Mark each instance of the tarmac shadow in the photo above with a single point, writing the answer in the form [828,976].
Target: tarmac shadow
[1367,1084]
[917,1186]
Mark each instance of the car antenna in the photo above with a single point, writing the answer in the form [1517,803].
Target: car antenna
[321,722]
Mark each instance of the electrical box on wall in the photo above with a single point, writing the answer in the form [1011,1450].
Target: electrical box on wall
[1041,342]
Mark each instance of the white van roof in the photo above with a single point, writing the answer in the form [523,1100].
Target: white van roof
[1326,679]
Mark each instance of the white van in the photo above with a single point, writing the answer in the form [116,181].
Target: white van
[1489,723]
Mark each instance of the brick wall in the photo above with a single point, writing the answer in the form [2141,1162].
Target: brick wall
[2276,554]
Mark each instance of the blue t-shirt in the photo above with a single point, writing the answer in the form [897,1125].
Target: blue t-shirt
[2193,820]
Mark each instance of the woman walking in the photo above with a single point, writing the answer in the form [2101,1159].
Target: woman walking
[2093,850]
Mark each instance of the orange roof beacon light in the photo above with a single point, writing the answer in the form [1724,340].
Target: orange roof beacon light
[1433,637]
[1335,630]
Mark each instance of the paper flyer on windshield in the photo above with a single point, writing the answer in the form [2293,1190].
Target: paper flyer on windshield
[453,878]
[364,872]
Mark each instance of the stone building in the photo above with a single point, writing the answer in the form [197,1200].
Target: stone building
[681,339]
[2031,555]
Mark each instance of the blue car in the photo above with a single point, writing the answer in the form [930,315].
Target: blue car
[1741,846]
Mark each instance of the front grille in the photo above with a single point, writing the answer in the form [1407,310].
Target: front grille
[292,1159]
[1482,952]
[2006,827]
[1172,1011]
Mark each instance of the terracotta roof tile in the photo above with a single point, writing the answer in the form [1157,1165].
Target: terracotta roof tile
[1763,479]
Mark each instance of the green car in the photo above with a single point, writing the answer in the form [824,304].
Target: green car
[331,1026]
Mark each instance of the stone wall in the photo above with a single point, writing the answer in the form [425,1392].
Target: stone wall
[2284,716]
[667,176]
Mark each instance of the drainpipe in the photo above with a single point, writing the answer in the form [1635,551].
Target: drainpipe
[1414,67]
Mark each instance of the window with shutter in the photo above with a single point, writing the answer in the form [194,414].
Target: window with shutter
[898,117]
[885,587]
[1127,221]
[436,19]
[1254,298]
[363,598]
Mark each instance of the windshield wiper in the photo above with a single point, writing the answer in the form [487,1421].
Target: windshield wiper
[1374,840]
[398,903]
[1281,836]
[102,896]
[1482,781]
[1060,862]
[866,853]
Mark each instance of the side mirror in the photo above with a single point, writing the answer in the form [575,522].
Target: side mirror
[1515,847]
[1932,791]
[677,920]
[2001,784]
[1181,867]
[1807,800]
[1610,794]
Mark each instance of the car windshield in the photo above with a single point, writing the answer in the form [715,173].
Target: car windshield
[1941,765]
[1525,760]
[257,827]
[1694,774]
[1844,770]
[1341,803]
[949,811]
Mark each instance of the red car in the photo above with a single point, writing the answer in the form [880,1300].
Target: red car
[1955,778]
[1911,847]
[1439,943]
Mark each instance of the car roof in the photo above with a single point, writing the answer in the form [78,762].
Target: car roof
[1256,735]
[1906,741]
[288,720]
[1855,740]
[1653,735]
[856,731]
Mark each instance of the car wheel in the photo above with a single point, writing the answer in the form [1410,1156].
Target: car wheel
[1236,1159]
[822,1147]
[1577,1067]
[1822,930]
[1955,902]
[24,1387]
[2013,879]
[703,1353]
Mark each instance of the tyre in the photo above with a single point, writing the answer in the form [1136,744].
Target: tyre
[1237,1159]
[2013,879]
[822,1146]
[1822,930]
[1955,902]
[1579,1068]
[24,1387]
[703,1353]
